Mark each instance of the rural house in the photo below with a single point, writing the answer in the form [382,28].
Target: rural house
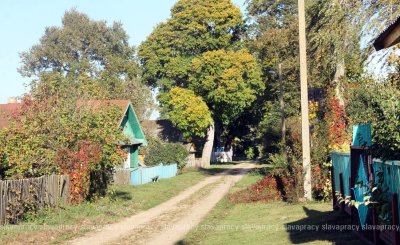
[6,110]
[129,122]
[131,127]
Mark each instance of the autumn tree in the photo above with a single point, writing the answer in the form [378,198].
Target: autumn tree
[188,111]
[84,46]
[199,48]
[53,132]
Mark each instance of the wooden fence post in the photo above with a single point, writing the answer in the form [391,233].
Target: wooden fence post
[334,199]
[395,218]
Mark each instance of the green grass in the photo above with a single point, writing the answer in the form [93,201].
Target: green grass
[128,201]
[263,223]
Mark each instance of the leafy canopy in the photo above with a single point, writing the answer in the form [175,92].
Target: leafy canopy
[84,46]
[272,14]
[199,48]
[81,45]
[188,111]
[195,27]
[228,81]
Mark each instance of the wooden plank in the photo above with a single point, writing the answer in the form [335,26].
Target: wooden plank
[67,196]
[55,189]
[2,206]
[334,199]
[395,218]
[393,38]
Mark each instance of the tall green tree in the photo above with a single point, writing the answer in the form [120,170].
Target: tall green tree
[84,46]
[272,14]
[199,48]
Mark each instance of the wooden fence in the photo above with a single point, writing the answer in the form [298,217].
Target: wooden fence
[193,163]
[122,177]
[41,191]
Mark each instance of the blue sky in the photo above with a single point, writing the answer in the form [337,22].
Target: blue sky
[24,22]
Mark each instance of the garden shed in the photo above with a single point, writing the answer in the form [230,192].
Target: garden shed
[131,127]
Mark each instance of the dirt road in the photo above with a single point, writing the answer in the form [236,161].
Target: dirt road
[169,222]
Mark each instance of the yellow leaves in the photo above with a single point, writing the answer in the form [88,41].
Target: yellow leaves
[313,108]
[227,77]
[188,111]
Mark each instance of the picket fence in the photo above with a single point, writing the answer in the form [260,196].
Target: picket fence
[43,191]
[349,168]
[144,175]
[193,163]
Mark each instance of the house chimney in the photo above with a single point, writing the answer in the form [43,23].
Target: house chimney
[11,100]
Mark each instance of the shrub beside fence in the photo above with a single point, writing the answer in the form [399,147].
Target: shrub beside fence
[42,191]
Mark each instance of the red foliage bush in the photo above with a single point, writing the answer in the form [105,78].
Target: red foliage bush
[269,189]
[78,165]
[337,121]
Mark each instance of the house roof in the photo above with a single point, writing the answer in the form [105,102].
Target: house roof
[391,28]
[162,129]
[134,130]
[5,112]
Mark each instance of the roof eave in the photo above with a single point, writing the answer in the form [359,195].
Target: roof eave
[378,42]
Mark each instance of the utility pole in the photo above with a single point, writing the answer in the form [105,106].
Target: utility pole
[305,129]
[282,109]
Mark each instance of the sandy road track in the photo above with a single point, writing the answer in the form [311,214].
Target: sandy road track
[171,220]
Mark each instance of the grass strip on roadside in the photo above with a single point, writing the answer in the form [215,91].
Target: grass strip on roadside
[58,224]
[270,223]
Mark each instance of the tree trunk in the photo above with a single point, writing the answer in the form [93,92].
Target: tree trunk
[228,144]
[336,80]
[208,146]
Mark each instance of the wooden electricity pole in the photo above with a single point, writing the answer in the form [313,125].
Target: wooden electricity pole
[282,109]
[304,102]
